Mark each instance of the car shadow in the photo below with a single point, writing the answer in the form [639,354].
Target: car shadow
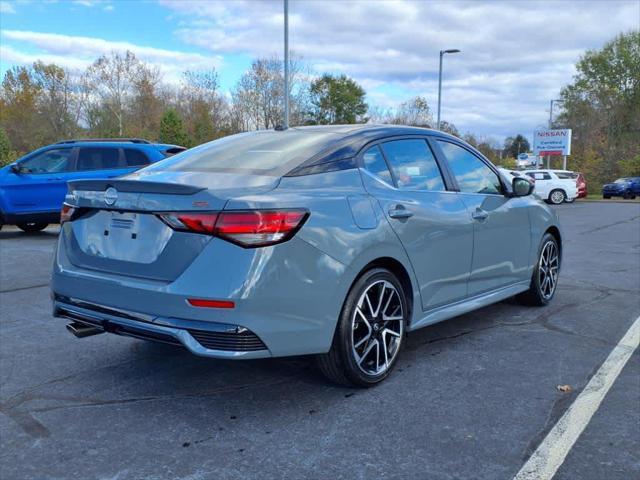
[18,234]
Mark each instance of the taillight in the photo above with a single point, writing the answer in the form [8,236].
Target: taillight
[66,213]
[247,228]
[191,221]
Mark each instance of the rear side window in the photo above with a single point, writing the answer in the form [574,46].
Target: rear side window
[566,175]
[472,174]
[98,159]
[414,165]
[51,161]
[374,162]
[539,175]
[135,158]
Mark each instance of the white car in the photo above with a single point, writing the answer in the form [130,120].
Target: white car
[553,186]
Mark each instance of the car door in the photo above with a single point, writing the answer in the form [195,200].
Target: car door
[39,185]
[100,162]
[543,183]
[502,232]
[431,222]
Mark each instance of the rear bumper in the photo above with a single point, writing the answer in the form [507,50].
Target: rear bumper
[288,295]
[207,339]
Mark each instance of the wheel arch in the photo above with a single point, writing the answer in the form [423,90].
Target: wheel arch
[399,270]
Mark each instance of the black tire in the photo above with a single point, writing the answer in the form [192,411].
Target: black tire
[627,196]
[535,296]
[557,196]
[31,227]
[606,197]
[340,364]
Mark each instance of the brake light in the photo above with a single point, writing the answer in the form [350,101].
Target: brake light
[247,228]
[66,213]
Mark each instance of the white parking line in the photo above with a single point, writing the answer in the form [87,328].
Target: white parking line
[550,454]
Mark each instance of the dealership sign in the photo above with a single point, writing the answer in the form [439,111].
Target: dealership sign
[552,142]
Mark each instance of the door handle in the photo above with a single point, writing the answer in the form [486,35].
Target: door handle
[480,214]
[400,212]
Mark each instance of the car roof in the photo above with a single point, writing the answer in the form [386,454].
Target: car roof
[350,139]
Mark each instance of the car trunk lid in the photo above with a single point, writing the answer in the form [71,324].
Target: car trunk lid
[119,232]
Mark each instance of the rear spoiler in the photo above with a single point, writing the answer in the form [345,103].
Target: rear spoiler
[136,186]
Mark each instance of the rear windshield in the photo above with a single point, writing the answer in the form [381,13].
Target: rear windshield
[261,153]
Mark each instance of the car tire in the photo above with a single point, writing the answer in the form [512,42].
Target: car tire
[606,197]
[557,196]
[541,291]
[627,196]
[31,227]
[365,325]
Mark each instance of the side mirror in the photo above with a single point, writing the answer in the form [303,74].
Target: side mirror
[521,187]
[15,168]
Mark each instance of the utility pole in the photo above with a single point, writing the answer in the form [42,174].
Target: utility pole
[442,53]
[286,64]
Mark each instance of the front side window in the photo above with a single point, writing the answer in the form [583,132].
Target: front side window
[98,158]
[414,165]
[51,161]
[374,162]
[472,174]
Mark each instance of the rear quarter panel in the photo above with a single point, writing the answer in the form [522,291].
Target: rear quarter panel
[343,224]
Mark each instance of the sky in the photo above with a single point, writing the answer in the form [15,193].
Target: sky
[515,55]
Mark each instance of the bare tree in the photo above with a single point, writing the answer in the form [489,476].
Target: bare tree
[111,79]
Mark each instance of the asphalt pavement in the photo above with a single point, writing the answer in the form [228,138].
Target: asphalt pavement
[471,398]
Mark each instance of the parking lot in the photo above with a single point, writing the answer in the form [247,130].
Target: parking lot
[471,398]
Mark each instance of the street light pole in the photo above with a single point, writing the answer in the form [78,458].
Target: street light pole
[286,64]
[442,53]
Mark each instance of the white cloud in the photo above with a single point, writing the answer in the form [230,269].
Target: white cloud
[7,7]
[78,52]
[515,56]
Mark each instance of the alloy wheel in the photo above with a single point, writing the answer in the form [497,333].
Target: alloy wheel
[377,328]
[548,267]
[557,197]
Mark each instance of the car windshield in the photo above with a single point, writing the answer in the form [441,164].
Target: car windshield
[263,153]
[622,180]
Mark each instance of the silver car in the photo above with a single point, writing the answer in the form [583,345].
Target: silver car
[332,241]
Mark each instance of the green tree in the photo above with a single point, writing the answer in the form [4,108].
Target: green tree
[602,107]
[7,155]
[19,109]
[513,146]
[337,100]
[172,129]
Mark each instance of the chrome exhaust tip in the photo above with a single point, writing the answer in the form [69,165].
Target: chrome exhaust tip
[82,330]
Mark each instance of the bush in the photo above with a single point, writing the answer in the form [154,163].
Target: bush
[630,167]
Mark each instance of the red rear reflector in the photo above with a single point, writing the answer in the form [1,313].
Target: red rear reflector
[66,213]
[199,302]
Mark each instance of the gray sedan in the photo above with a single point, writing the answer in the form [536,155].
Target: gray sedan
[333,241]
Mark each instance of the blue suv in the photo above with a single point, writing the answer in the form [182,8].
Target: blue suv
[33,188]
[626,187]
